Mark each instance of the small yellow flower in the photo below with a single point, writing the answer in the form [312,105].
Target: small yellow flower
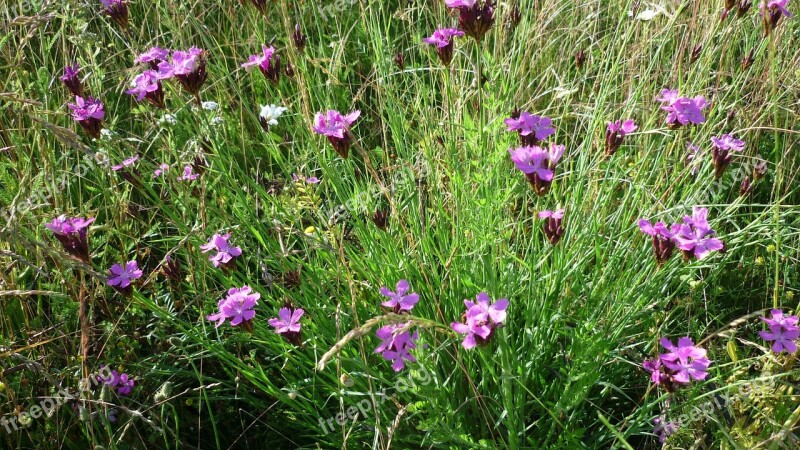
[310,230]
[789,296]
[760,261]
[771,248]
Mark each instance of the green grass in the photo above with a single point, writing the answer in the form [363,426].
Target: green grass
[565,371]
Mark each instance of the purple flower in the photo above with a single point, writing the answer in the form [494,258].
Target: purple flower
[152,57]
[695,237]
[664,429]
[775,9]
[442,38]
[721,153]
[89,114]
[128,162]
[72,233]
[121,277]
[147,85]
[288,324]
[298,38]
[553,229]
[686,361]
[336,128]
[310,180]
[396,343]
[225,252]
[532,129]
[473,17]
[188,174]
[399,301]
[657,375]
[121,383]
[268,62]
[682,110]
[783,332]
[663,238]
[759,168]
[117,10]
[480,320]
[537,164]
[615,132]
[237,307]
[71,80]
[189,67]
[162,169]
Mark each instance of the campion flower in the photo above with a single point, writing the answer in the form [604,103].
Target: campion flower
[152,57]
[225,252]
[89,114]
[537,164]
[127,170]
[121,277]
[745,187]
[147,85]
[775,10]
[269,115]
[663,238]
[680,365]
[188,174]
[664,429]
[396,343]
[475,17]
[288,325]
[721,152]
[237,307]
[336,128]
[442,39]
[480,320]
[532,129]
[122,383]
[298,38]
[783,332]
[615,132]
[268,63]
[552,225]
[71,80]
[399,301]
[188,67]
[117,10]
[682,110]
[72,233]
[695,237]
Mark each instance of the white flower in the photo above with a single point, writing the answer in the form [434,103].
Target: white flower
[270,114]
[216,121]
[106,134]
[210,106]
[168,119]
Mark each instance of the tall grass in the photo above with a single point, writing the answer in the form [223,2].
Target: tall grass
[432,149]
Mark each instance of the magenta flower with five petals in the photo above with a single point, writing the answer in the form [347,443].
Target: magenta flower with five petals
[442,39]
[532,129]
[615,133]
[783,331]
[72,81]
[237,307]
[723,147]
[267,62]
[480,320]
[225,252]
[152,57]
[336,128]
[122,277]
[147,85]
[686,361]
[395,344]
[72,233]
[537,164]
[695,236]
[288,324]
[89,114]
[682,110]
[399,301]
